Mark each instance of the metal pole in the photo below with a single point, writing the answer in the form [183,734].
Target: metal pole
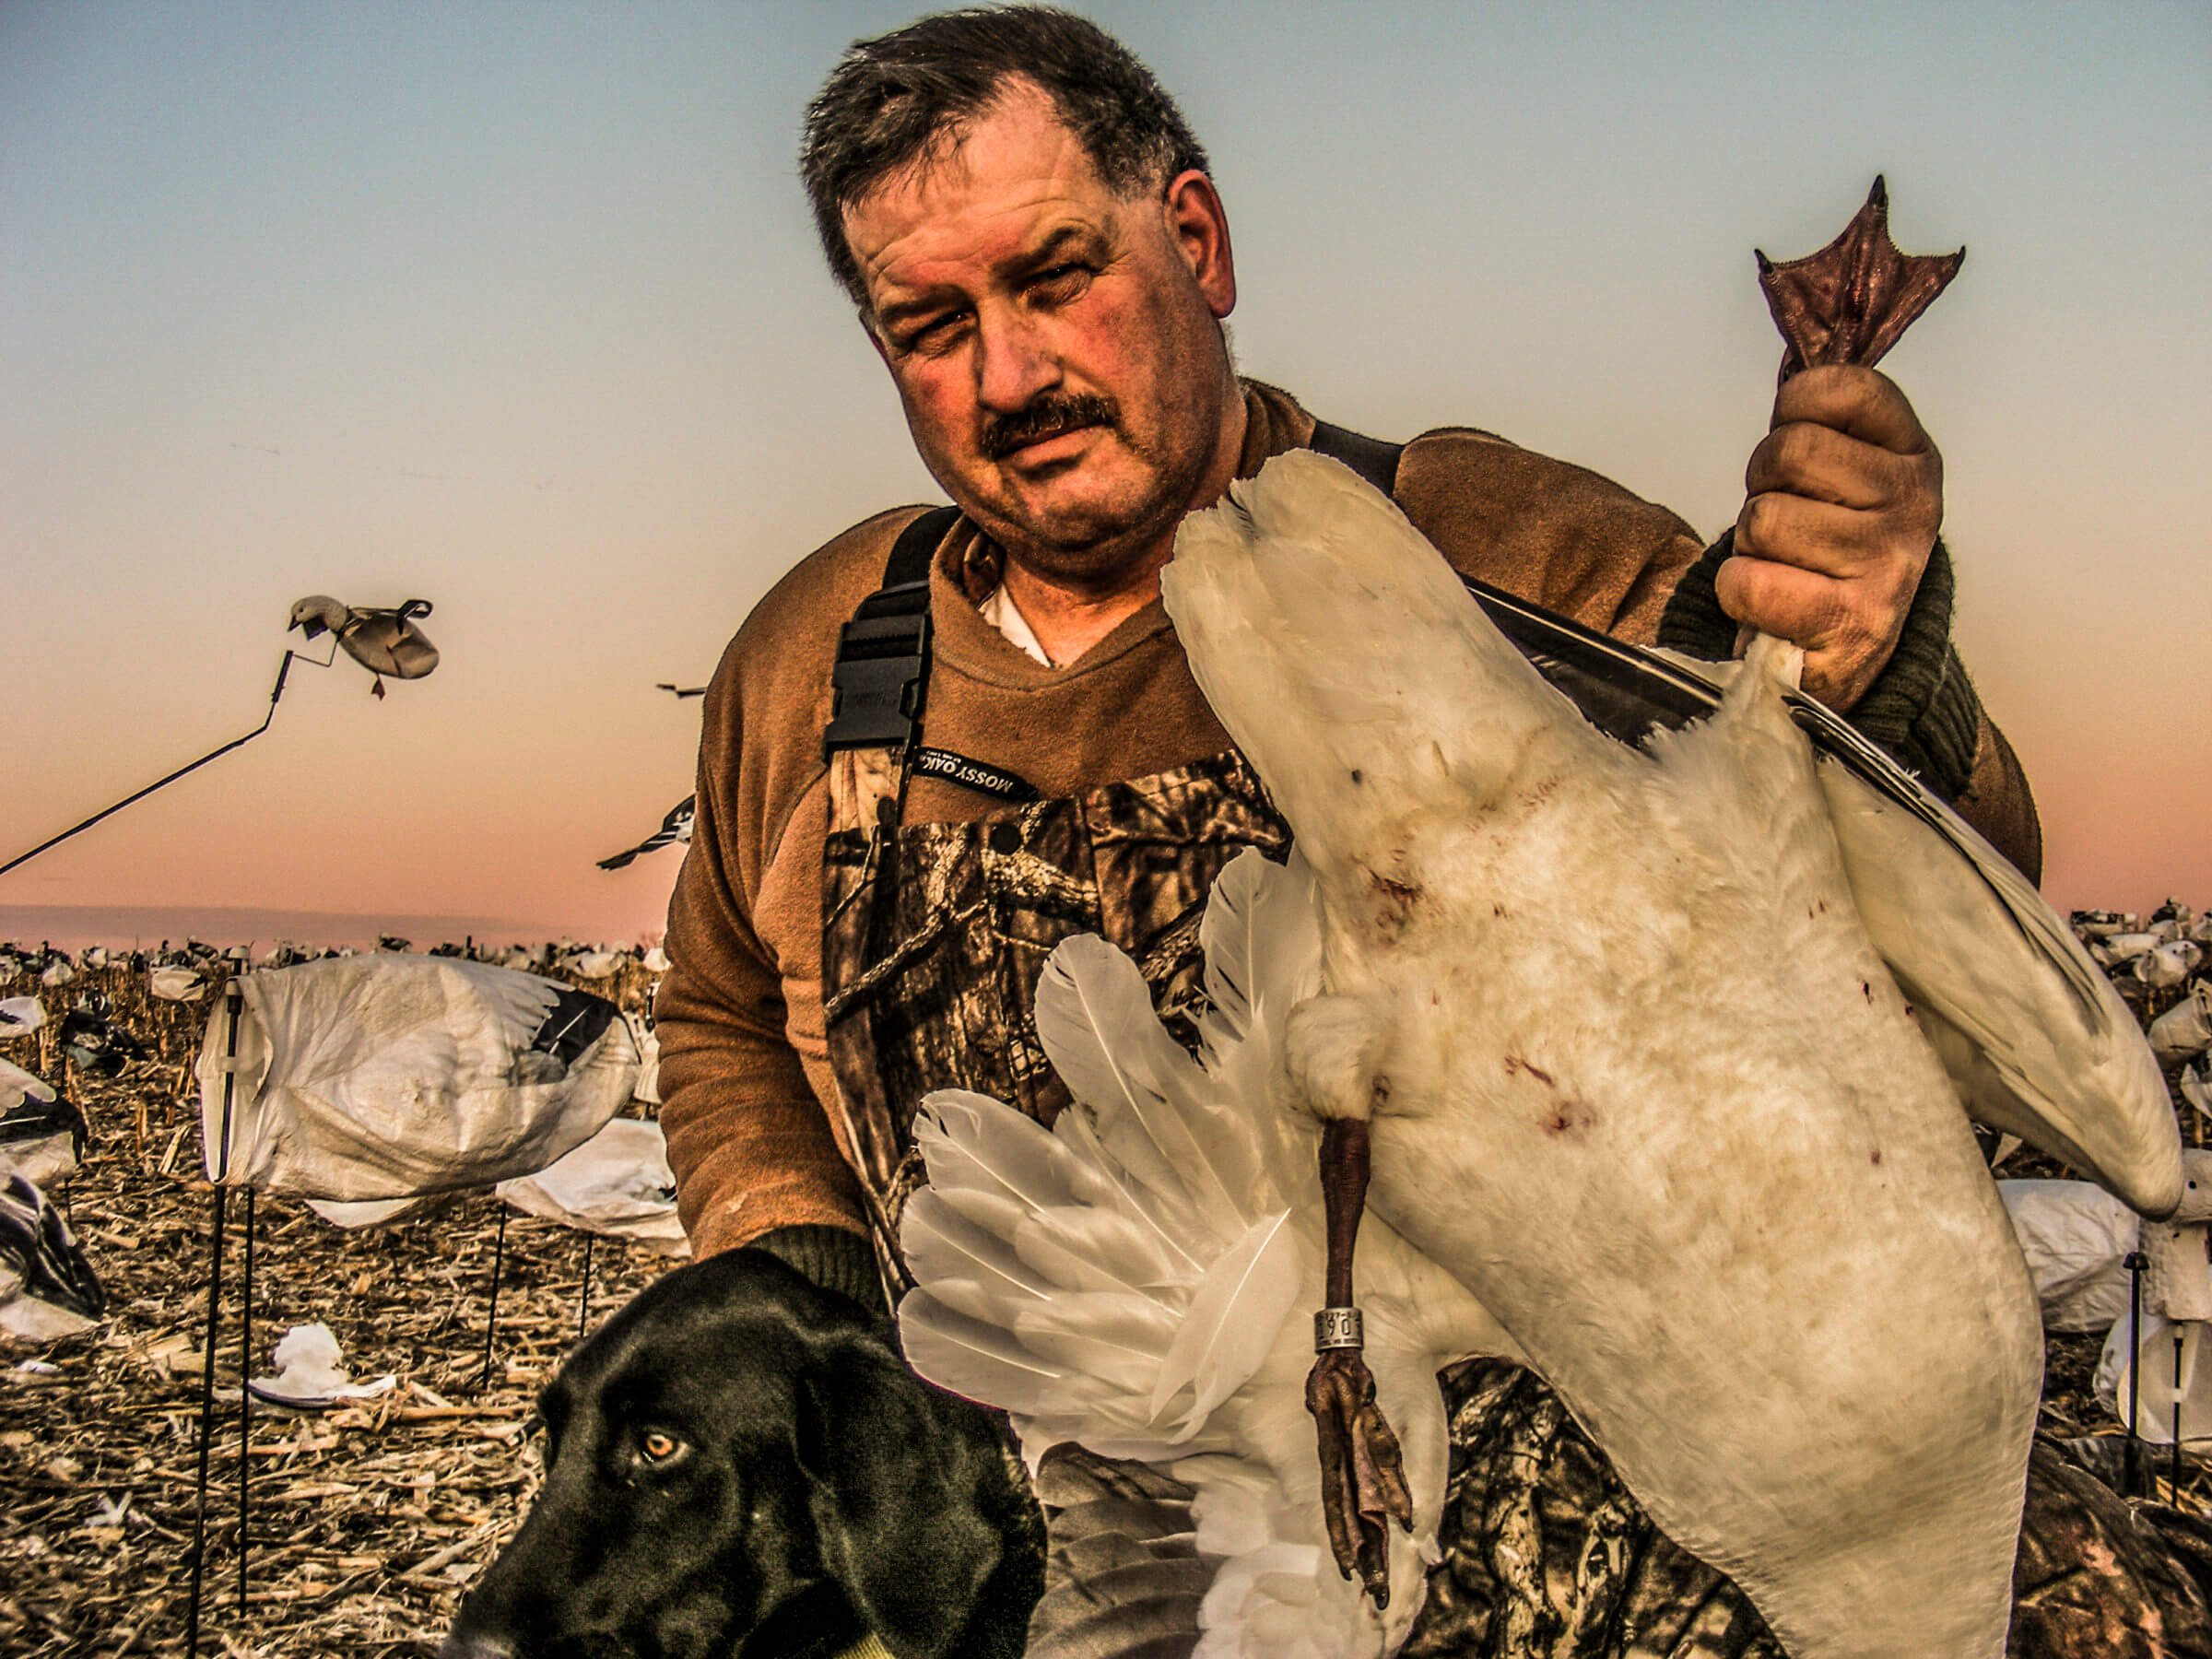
[217,1158]
[2177,1414]
[283,668]
[245,1397]
[492,1319]
[2131,1468]
[199,1519]
[583,1290]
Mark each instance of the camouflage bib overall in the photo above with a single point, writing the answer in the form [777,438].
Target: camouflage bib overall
[934,935]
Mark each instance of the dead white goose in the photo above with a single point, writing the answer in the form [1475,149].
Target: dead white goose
[1729,1120]
[1702,1161]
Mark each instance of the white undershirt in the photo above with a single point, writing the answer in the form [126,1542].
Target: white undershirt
[1003,614]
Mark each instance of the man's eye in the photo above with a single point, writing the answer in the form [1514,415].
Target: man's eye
[1060,283]
[935,334]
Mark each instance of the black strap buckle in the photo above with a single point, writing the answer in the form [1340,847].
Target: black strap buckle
[877,685]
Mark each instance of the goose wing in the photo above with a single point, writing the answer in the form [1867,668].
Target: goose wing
[2035,1039]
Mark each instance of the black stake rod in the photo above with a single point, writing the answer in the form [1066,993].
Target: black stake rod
[199,1518]
[219,1157]
[245,1397]
[583,1289]
[283,668]
[2131,1469]
[492,1319]
[2177,1414]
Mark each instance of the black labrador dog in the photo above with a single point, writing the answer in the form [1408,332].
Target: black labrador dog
[742,1466]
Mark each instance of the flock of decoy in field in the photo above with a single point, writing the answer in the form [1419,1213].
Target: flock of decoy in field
[499,1048]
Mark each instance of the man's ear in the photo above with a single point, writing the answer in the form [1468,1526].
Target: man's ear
[1200,226]
[894,1496]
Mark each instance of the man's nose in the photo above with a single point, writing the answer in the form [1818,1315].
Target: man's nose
[1014,363]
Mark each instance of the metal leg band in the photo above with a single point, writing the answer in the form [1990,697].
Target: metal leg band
[1337,1328]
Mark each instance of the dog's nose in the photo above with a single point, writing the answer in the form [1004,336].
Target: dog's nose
[460,1646]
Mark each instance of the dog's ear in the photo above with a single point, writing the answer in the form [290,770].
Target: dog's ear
[901,1481]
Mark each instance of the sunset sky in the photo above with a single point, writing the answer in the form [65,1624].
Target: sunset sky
[516,307]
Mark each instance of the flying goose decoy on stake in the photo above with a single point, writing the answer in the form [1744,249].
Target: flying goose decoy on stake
[1638,1026]
[383,642]
[675,830]
[386,642]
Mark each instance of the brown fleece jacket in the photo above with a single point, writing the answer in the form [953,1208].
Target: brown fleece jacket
[745,1074]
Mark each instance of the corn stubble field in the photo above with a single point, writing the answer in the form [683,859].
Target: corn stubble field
[367,1522]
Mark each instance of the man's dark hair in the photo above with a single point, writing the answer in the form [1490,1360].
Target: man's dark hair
[906,98]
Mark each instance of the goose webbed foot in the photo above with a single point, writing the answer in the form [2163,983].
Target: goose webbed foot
[1362,1474]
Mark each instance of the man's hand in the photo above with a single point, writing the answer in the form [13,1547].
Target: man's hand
[1842,501]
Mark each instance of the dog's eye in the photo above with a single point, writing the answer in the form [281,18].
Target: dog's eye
[658,1447]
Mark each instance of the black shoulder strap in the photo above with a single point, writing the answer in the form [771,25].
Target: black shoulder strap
[1373,459]
[883,654]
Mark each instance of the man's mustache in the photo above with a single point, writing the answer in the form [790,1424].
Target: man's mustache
[1047,416]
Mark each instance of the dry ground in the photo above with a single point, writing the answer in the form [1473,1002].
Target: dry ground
[367,1522]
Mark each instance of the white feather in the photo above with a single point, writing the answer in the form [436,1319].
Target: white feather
[1232,1318]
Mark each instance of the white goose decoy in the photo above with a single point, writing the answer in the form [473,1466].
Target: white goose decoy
[47,1285]
[20,1015]
[2174,1398]
[1651,1044]
[2165,966]
[594,964]
[385,642]
[175,985]
[42,1132]
[2184,1030]
[381,1078]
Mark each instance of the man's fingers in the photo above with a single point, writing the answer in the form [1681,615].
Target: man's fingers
[1805,458]
[1812,535]
[1803,606]
[1865,403]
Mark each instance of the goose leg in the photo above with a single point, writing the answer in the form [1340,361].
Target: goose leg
[1362,1474]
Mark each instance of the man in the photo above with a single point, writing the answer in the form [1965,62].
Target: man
[1040,259]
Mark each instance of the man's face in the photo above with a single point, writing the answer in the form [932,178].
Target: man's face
[1057,346]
